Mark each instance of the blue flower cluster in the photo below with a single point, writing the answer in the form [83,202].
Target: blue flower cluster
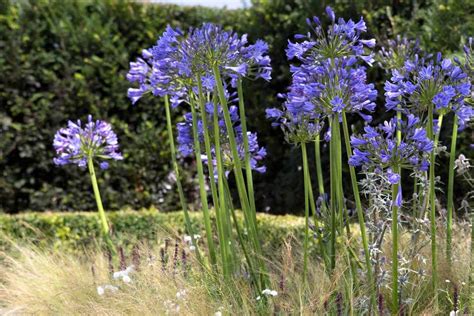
[186,141]
[377,149]
[398,51]
[421,82]
[76,143]
[328,79]
[173,66]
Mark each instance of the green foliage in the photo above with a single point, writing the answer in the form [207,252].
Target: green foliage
[62,60]
[81,229]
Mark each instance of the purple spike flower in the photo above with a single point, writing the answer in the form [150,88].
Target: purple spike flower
[77,143]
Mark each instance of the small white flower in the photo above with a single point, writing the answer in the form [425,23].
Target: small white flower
[100,290]
[218,313]
[453,313]
[187,239]
[258,298]
[181,294]
[126,279]
[197,236]
[192,248]
[447,281]
[269,292]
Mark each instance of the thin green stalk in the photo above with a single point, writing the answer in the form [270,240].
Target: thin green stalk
[306,210]
[319,170]
[432,206]
[316,224]
[222,194]
[202,189]
[360,212]
[395,306]
[100,208]
[218,206]
[242,190]
[248,169]
[182,199]
[449,223]
[333,203]
[241,238]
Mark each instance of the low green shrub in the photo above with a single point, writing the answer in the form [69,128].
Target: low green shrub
[80,230]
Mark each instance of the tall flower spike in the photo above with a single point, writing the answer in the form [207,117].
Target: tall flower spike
[397,52]
[186,142]
[76,143]
[173,64]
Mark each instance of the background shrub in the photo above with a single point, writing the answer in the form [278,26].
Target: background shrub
[62,60]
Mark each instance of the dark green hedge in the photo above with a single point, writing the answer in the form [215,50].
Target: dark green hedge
[80,230]
[62,60]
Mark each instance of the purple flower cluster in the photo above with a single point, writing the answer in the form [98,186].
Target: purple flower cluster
[328,79]
[419,83]
[77,143]
[186,140]
[398,51]
[173,66]
[341,40]
[377,148]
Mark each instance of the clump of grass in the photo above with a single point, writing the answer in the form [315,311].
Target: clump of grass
[168,279]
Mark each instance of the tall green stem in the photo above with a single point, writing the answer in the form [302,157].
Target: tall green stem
[337,203]
[218,206]
[202,189]
[319,170]
[182,199]
[449,223]
[237,167]
[222,194]
[395,303]
[360,212]
[432,207]
[100,208]
[248,169]
[306,209]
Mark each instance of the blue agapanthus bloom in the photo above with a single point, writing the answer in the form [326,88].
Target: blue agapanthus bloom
[77,143]
[377,149]
[186,140]
[173,65]
[398,50]
[327,79]
[342,39]
[420,83]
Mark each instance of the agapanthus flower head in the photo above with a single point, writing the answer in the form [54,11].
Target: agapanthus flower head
[421,83]
[329,88]
[297,126]
[94,140]
[175,63]
[341,39]
[377,149]
[186,140]
[397,51]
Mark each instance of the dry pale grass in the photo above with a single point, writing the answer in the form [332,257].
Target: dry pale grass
[45,282]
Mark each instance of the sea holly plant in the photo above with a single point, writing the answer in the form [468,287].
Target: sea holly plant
[380,150]
[201,70]
[82,145]
[329,81]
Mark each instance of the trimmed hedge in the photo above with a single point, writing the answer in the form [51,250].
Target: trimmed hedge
[82,229]
[62,60]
